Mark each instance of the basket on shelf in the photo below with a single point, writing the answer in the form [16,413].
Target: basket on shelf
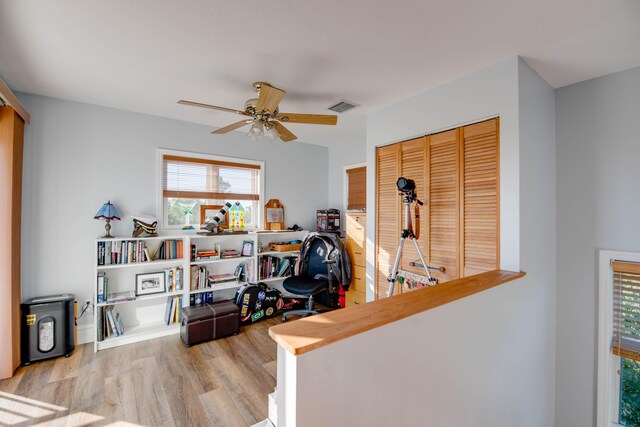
[279,247]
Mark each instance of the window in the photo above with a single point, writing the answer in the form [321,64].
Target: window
[199,180]
[619,340]
[357,188]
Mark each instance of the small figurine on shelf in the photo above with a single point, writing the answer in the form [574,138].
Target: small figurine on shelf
[236,216]
[187,212]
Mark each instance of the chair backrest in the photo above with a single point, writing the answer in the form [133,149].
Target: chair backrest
[317,254]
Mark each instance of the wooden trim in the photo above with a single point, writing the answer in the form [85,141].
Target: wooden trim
[11,156]
[7,95]
[209,196]
[314,332]
[210,162]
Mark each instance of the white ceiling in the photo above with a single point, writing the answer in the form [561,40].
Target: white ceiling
[144,55]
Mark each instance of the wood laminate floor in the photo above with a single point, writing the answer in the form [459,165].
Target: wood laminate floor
[153,383]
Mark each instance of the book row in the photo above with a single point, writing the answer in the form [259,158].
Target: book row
[135,251]
[173,281]
[202,279]
[273,266]
[109,323]
[172,312]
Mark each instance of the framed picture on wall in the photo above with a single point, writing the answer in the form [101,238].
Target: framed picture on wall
[207,212]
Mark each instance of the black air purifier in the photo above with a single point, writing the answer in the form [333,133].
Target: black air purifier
[47,327]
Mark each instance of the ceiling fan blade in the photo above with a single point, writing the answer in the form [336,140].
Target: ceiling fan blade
[211,107]
[312,119]
[233,126]
[285,134]
[269,98]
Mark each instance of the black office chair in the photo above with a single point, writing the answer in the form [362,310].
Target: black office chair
[315,274]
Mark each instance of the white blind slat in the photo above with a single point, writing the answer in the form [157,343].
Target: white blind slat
[187,175]
[626,310]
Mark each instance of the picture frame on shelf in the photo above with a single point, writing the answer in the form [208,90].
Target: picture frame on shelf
[247,248]
[150,283]
[274,215]
[207,212]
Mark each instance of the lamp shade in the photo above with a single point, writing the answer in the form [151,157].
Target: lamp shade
[108,211]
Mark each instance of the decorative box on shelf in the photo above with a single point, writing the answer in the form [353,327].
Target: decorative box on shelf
[280,247]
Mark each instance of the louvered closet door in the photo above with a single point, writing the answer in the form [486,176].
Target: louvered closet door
[413,166]
[443,204]
[481,207]
[387,208]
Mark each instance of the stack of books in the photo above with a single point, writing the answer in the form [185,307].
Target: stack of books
[172,312]
[109,323]
[207,255]
[121,296]
[230,253]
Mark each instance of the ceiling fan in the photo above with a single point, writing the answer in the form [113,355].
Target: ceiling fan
[263,115]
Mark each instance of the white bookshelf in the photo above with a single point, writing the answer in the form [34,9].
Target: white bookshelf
[139,333]
[223,290]
[265,238]
[143,317]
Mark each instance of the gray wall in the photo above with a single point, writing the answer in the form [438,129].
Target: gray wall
[536,103]
[598,123]
[526,368]
[77,156]
[348,150]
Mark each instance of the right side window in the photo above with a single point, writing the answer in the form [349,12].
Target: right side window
[619,340]
[625,343]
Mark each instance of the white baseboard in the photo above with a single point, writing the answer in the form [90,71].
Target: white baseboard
[273,408]
[85,334]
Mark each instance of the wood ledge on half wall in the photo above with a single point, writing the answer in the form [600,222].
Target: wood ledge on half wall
[313,332]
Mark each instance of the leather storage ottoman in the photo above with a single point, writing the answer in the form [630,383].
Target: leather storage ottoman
[208,322]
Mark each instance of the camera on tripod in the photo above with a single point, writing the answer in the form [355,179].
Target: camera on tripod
[407,188]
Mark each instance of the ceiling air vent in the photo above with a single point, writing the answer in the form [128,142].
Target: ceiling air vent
[343,106]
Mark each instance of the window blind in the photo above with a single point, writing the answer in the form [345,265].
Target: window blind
[626,309]
[194,178]
[357,183]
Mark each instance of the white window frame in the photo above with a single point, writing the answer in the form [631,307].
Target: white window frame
[160,214]
[608,363]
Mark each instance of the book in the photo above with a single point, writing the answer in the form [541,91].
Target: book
[100,323]
[220,278]
[119,324]
[121,296]
[100,293]
[112,322]
[230,253]
[174,307]
[168,310]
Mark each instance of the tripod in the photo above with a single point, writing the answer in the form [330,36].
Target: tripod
[407,232]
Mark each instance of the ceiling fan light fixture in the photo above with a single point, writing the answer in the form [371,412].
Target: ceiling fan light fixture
[256,132]
[273,133]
